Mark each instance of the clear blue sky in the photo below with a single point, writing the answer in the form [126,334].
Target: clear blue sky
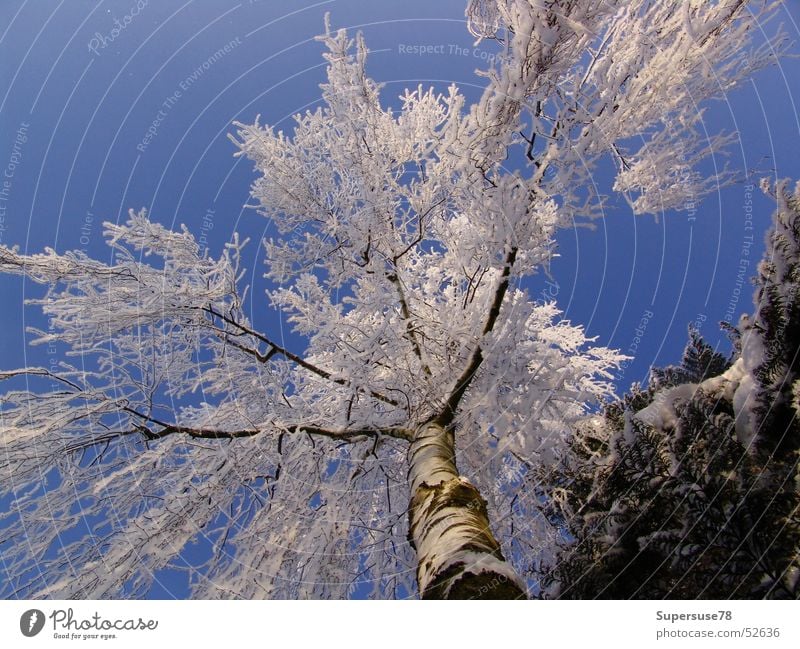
[125,114]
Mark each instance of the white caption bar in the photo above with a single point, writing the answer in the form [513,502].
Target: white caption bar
[404,624]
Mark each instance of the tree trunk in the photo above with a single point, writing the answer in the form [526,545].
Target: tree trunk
[457,555]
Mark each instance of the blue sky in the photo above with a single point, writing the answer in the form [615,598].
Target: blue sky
[86,94]
[96,119]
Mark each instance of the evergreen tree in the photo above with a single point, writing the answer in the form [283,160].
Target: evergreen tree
[687,488]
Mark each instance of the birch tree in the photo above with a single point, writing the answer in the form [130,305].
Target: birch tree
[383,453]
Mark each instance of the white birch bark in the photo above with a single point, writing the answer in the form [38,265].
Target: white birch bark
[458,556]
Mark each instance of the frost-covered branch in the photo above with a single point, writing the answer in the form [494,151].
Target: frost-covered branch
[275,348]
[620,77]
[464,380]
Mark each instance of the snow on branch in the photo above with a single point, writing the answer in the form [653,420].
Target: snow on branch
[584,81]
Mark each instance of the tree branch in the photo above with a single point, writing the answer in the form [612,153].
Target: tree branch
[446,416]
[212,433]
[37,371]
[299,360]
[406,314]
[311,429]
